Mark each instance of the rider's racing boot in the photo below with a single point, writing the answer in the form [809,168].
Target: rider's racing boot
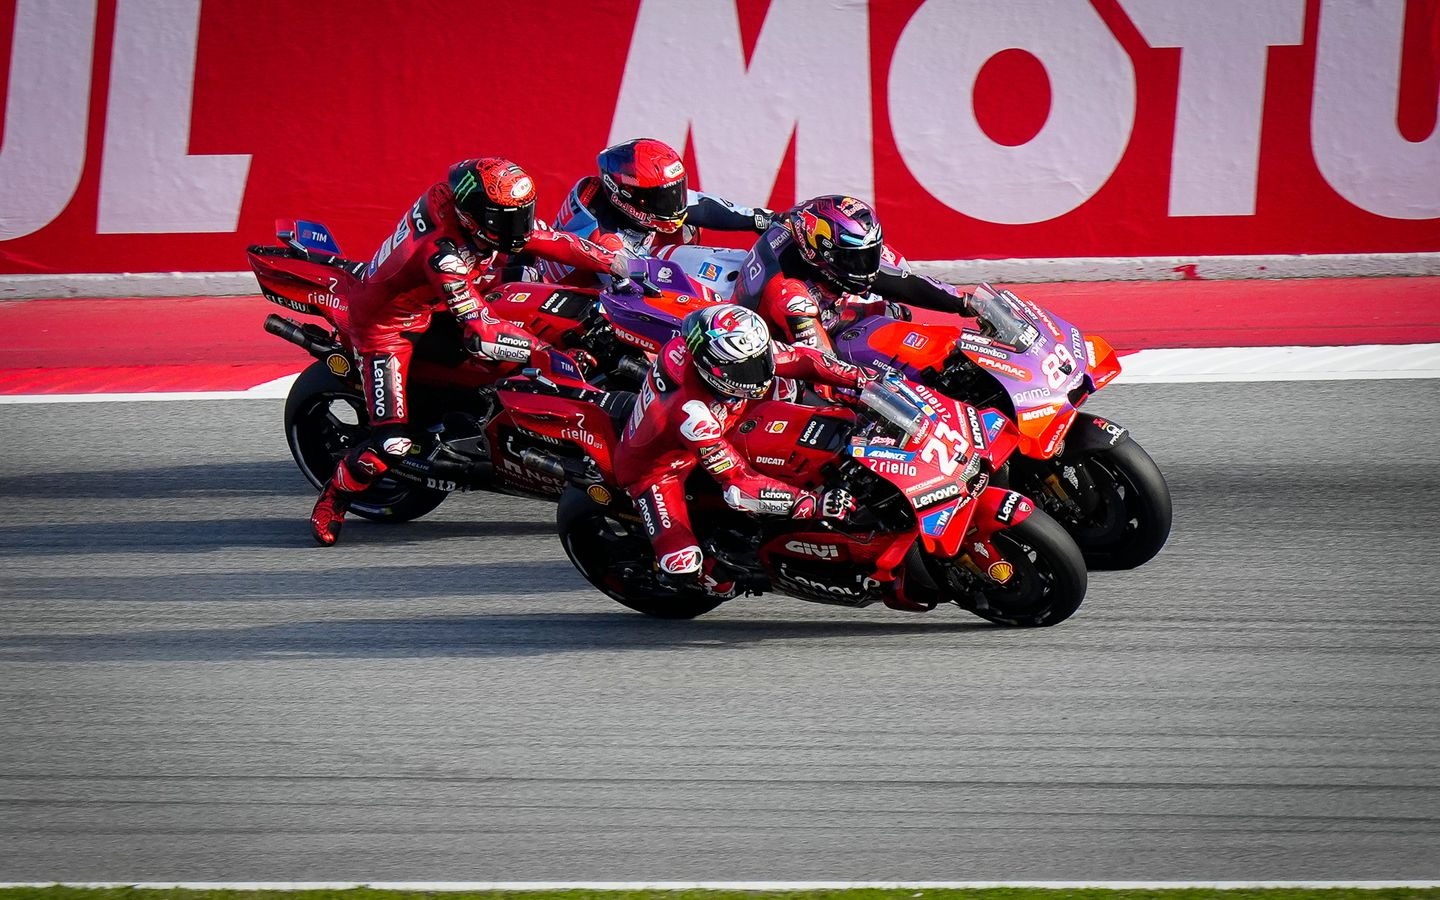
[712,581]
[328,515]
[352,475]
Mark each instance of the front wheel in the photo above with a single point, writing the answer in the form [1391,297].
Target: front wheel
[324,420]
[1047,585]
[616,557]
[1131,521]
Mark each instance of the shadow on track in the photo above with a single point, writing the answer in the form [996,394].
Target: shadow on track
[205,480]
[458,636]
[193,536]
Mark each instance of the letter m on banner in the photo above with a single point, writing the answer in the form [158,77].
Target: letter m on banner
[808,78]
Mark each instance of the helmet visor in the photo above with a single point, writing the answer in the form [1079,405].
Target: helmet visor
[856,266]
[665,204]
[747,378]
[508,227]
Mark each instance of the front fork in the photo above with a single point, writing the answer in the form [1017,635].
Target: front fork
[996,509]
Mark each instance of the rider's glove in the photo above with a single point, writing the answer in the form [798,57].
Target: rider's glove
[898,311]
[836,504]
[620,265]
[764,218]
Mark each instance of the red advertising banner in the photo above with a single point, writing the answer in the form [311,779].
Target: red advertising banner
[165,135]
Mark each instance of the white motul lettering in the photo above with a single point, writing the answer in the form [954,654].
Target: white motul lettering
[741,118]
[1092,107]
[1353,129]
[43,154]
[1221,100]
[149,182]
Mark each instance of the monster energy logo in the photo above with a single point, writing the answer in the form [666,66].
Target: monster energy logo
[465,186]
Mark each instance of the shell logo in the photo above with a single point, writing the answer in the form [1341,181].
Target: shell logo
[599,494]
[338,364]
[1001,571]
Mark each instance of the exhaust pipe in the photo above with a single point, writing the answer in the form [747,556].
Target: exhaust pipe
[310,338]
[543,462]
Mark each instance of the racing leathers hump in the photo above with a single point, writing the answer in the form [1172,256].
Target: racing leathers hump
[429,264]
[679,422]
[804,311]
[587,213]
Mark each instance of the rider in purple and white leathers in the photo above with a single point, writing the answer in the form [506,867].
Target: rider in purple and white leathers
[641,197]
[825,265]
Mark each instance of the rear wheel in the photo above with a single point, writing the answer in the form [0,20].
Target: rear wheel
[1048,583]
[324,420]
[617,558]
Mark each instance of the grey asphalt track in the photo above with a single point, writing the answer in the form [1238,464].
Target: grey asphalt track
[189,691]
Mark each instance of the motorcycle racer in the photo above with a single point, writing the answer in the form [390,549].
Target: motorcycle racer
[640,197]
[824,265]
[698,389]
[445,251]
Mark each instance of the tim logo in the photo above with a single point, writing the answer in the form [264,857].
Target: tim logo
[915,339]
[710,272]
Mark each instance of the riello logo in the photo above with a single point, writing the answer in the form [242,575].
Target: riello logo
[149,182]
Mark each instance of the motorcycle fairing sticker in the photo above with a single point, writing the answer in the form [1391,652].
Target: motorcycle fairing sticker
[934,523]
[866,451]
[994,423]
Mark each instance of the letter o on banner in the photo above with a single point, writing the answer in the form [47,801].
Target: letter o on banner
[1092,106]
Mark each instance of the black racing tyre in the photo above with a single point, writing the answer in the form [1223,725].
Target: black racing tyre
[1132,520]
[324,419]
[601,546]
[1049,581]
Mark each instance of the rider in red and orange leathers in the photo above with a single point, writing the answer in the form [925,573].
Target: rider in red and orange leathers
[641,197]
[445,251]
[696,392]
[825,265]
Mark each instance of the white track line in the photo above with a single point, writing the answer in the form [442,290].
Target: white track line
[715,885]
[276,389]
[1362,362]
[968,271]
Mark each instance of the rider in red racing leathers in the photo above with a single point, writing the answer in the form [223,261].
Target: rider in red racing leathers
[445,251]
[697,390]
[642,196]
[820,267]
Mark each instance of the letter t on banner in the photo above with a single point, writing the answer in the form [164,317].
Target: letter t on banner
[1215,163]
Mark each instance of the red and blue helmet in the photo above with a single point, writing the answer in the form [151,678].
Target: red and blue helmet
[731,348]
[645,180]
[841,238]
[495,202]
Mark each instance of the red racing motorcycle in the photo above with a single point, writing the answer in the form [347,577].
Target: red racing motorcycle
[929,527]
[1086,471]
[459,414]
